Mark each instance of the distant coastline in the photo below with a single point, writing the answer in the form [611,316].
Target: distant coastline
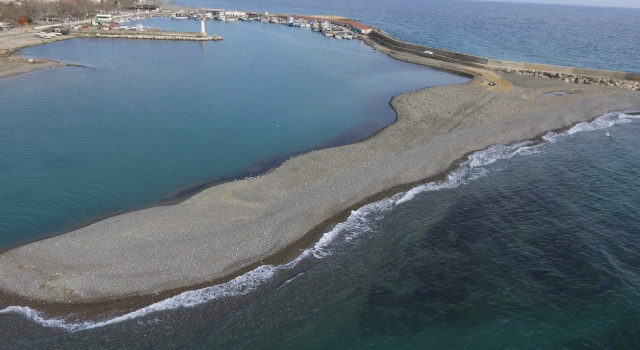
[267,219]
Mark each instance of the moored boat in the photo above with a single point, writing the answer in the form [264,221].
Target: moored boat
[179,15]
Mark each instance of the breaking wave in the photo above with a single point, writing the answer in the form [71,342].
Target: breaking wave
[357,223]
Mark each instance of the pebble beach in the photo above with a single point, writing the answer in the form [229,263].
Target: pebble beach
[233,226]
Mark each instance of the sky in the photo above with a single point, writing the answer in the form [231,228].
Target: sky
[608,3]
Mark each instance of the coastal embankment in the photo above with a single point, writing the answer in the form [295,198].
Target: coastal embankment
[574,75]
[238,225]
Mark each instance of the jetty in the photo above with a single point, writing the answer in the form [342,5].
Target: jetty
[185,36]
[570,75]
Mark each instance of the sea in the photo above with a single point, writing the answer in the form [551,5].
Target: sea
[534,244]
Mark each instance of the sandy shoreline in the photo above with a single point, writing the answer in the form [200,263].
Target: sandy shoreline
[232,227]
[16,65]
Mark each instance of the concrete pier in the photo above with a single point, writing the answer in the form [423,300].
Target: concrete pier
[538,69]
[185,36]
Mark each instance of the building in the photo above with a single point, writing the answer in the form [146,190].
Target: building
[214,12]
[235,14]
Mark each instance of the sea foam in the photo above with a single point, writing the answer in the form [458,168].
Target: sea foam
[356,224]
[603,122]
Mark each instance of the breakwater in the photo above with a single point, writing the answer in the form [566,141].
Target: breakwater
[569,74]
[156,36]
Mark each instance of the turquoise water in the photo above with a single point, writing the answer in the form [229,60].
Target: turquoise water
[524,246]
[569,35]
[534,246]
[143,120]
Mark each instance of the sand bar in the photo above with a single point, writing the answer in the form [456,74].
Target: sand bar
[223,229]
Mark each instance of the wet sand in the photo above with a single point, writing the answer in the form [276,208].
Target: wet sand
[15,65]
[233,226]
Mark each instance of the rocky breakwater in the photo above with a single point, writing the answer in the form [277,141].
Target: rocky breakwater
[579,79]
[156,37]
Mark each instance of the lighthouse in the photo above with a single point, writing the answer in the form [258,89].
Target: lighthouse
[202,31]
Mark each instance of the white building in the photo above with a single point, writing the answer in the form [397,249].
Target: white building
[235,14]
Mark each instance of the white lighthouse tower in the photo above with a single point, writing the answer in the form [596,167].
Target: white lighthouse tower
[202,31]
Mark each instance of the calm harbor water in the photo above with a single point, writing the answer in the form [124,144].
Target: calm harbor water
[144,119]
[525,247]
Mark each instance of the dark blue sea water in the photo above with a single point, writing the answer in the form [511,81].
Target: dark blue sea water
[569,35]
[523,246]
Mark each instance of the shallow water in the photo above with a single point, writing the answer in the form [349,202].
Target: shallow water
[145,119]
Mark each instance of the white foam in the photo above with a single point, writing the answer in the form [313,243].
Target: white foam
[241,285]
[357,223]
[603,122]
[35,316]
[472,169]
[606,121]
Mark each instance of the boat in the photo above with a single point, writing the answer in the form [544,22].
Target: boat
[338,36]
[179,15]
[328,34]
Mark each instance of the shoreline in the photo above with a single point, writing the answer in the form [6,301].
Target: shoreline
[407,111]
[13,66]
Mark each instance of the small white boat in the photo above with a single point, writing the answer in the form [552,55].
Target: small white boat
[338,36]
[327,34]
[179,15]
